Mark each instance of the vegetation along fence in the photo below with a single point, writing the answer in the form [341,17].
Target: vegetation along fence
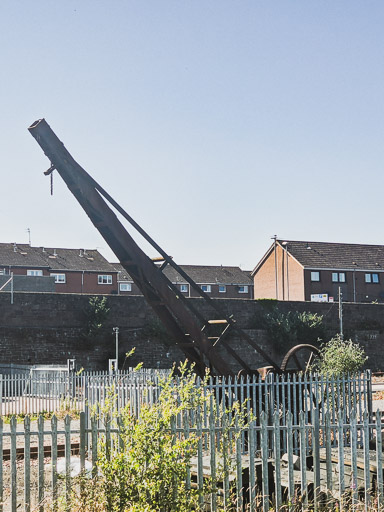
[245,463]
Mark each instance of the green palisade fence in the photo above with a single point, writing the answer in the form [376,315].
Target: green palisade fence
[310,439]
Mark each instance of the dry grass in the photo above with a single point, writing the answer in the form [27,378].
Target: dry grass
[378,395]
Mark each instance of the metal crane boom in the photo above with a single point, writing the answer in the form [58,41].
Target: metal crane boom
[187,326]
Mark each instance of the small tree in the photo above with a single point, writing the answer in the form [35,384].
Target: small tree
[339,357]
[96,313]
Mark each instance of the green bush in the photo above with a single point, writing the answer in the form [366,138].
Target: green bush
[288,329]
[339,357]
[145,469]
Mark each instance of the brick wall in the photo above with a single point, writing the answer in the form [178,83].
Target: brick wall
[45,328]
[289,275]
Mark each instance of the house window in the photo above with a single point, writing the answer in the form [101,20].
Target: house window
[315,276]
[243,289]
[104,279]
[125,287]
[338,277]
[184,288]
[372,278]
[59,278]
[2,271]
[34,272]
[222,288]
[206,288]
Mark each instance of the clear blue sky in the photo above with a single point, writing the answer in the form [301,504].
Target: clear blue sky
[216,124]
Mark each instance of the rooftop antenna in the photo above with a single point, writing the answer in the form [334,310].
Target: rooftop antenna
[29,236]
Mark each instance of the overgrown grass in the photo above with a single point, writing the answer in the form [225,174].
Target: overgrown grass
[60,415]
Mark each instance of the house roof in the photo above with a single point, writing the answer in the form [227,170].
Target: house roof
[77,259]
[338,256]
[203,274]
[123,274]
[23,255]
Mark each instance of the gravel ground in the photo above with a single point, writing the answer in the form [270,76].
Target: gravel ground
[378,404]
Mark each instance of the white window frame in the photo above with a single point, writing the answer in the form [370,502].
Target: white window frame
[206,288]
[104,279]
[243,288]
[34,273]
[315,276]
[338,277]
[222,288]
[372,278]
[125,287]
[59,278]
[184,288]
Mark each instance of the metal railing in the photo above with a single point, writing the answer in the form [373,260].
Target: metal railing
[40,467]
[40,392]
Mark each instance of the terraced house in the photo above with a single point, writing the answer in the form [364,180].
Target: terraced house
[87,271]
[58,270]
[315,271]
[216,280]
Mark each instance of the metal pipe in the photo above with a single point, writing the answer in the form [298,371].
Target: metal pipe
[116,331]
[286,249]
[276,289]
[341,313]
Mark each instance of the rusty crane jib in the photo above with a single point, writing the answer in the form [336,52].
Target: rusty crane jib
[188,327]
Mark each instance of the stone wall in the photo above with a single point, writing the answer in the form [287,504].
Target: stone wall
[48,328]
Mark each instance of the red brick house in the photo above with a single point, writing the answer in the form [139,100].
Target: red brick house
[305,271]
[74,270]
[87,271]
[217,281]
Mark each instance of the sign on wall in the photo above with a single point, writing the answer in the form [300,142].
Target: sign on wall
[319,297]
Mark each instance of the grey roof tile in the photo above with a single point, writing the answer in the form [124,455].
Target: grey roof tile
[204,274]
[336,255]
[201,274]
[23,255]
[123,274]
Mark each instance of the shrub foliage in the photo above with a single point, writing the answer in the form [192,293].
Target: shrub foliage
[146,468]
[339,357]
[96,313]
[288,329]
